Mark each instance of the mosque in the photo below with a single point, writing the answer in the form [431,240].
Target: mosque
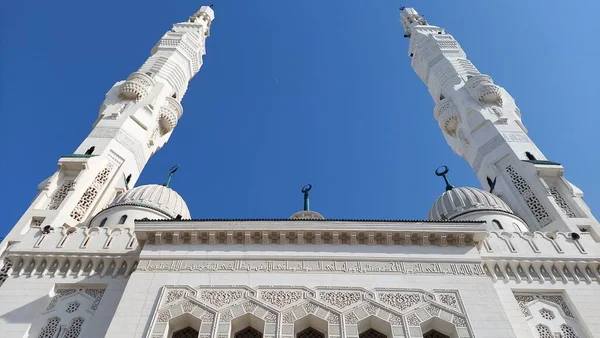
[94,255]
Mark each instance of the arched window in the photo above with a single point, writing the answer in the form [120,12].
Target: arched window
[434,334]
[310,333]
[372,333]
[123,219]
[248,332]
[103,222]
[188,332]
[497,224]
[530,156]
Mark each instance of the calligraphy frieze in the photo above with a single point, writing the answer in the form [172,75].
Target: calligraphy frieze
[315,266]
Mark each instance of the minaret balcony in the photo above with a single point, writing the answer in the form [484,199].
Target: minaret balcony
[170,112]
[446,114]
[482,89]
[137,86]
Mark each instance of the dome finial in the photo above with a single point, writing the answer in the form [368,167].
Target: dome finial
[305,190]
[443,173]
[171,173]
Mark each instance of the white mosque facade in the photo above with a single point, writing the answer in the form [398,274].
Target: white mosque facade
[95,256]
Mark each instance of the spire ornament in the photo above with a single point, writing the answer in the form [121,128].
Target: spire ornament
[442,171]
[305,190]
[172,171]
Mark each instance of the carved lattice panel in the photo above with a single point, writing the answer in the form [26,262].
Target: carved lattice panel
[188,332]
[248,332]
[562,203]
[310,333]
[534,204]
[372,333]
[435,334]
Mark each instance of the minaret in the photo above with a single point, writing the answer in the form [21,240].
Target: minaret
[482,124]
[136,119]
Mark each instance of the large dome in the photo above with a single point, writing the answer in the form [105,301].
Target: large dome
[157,197]
[459,201]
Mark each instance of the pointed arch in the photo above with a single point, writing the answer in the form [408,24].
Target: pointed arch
[311,326]
[247,326]
[185,323]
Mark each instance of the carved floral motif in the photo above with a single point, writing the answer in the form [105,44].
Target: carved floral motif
[413,320]
[281,298]
[340,299]
[449,299]
[401,301]
[351,318]
[219,298]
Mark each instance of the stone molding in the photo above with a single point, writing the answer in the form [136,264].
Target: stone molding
[60,265]
[528,271]
[313,266]
[323,232]
[280,307]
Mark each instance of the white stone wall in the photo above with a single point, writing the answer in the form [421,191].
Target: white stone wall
[482,304]
[24,300]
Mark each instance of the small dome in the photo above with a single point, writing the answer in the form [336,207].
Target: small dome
[307,214]
[157,197]
[459,201]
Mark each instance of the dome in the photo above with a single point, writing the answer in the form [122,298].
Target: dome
[459,201]
[157,197]
[307,214]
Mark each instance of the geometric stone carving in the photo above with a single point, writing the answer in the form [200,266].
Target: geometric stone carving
[49,331]
[97,294]
[333,318]
[534,204]
[544,331]
[219,298]
[291,305]
[340,299]
[449,299]
[547,314]
[91,192]
[281,298]
[74,329]
[58,295]
[72,307]
[4,271]
[59,195]
[564,206]
[400,301]
[175,295]
[413,320]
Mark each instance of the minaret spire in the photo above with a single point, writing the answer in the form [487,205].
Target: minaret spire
[136,119]
[482,124]
[305,191]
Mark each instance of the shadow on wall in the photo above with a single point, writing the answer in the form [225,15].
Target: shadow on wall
[92,300]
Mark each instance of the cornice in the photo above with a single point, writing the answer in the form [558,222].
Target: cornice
[310,232]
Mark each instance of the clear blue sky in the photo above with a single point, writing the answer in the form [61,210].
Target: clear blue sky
[295,92]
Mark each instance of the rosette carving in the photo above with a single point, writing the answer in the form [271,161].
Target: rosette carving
[137,86]
[483,89]
[446,114]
